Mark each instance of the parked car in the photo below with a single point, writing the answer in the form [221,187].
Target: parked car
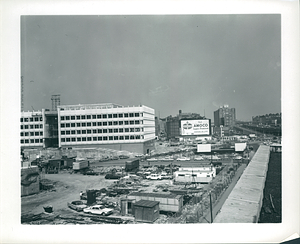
[154,177]
[115,158]
[99,210]
[198,158]
[167,159]
[183,159]
[152,159]
[123,156]
[238,157]
[164,175]
[90,172]
[113,176]
[77,205]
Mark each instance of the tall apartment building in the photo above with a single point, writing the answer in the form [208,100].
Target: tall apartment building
[172,127]
[93,125]
[224,116]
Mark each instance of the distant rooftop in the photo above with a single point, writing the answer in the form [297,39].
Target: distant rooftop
[93,106]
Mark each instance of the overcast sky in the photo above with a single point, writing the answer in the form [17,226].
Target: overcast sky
[190,62]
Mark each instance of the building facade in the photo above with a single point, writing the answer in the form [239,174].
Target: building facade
[268,119]
[224,116]
[175,126]
[172,127]
[32,129]
[95,125]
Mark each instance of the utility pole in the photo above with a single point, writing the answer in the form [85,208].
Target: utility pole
[211,213]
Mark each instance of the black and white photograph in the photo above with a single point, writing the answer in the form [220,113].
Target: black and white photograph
[151,120]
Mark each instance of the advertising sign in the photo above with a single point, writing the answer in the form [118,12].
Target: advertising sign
[240,147]
[204,148]
[195,127]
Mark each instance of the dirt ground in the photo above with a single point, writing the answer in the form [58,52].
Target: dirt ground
[67,189]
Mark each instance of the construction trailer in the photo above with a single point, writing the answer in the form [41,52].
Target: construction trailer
[167,202]
[195,175]
[146,211]
[30,180]
[78,165]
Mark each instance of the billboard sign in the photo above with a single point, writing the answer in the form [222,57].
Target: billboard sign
[240,147]
[204,148]
[195,127]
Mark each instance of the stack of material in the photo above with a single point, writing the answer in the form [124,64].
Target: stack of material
[30,182]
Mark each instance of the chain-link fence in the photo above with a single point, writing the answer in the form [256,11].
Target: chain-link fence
[199,206]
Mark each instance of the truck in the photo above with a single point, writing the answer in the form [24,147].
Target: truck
[79,165]
[132,165]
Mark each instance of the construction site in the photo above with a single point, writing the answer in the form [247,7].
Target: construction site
[88,186]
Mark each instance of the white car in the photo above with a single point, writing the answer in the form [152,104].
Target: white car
[77,205]
[152,159]
[238,157]
[154,177]
[99,210]
[183,159]
[198,158]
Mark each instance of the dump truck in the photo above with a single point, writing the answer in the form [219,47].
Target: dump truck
[79,165]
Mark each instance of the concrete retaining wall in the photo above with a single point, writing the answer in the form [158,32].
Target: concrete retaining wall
[245,201]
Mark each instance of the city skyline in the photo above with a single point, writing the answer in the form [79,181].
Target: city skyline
[193,63]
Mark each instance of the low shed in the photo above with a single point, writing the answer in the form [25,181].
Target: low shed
[146,211]
[167,202]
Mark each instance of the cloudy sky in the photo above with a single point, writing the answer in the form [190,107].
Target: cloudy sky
[168,62]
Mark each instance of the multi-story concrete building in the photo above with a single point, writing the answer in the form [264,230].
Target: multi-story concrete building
[32,129]
[224,116]
[95,125]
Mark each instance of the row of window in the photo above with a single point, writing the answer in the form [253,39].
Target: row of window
[102,116]
[32,119]
[102,138]
[37,133]
[100,131]
[110,123]
[31,127]
[32,141]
